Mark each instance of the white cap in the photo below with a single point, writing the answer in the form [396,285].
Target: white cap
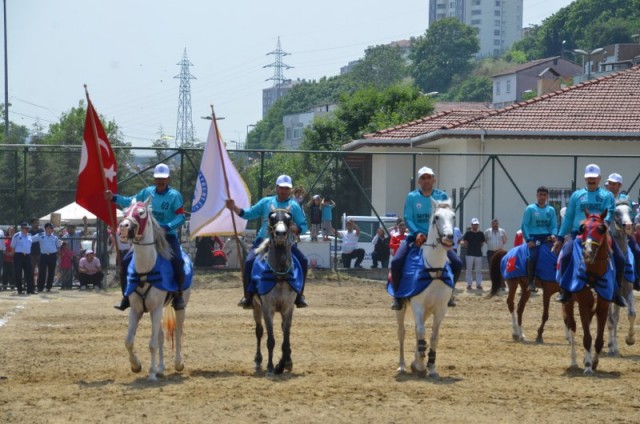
[89,252]
[161,171]
[615,178]
[425,170]
[284,181]
[592,171]
[474,221]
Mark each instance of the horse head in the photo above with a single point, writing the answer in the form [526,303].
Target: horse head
[279,226]
[593,233]
[442,223]
[136,219]
[622,217]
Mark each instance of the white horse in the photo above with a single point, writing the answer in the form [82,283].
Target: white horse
[434,299]
[148,243]
[622,227]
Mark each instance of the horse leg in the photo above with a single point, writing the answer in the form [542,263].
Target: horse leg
[285,363]
[570,327]
[418,365]
[602,308]
[156,327]
[438,316]
[547,292]
[178,361]
[267,314]
[585,306]
[134,320]
[613,315]
[512,285]
[401,333]
[160,367]
[257,316]
[524,298]
[631,338]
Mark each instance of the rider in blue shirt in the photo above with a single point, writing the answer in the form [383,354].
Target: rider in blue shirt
[417,216]
[595,200]
[281,200]
[168,209]
[539,222]
[614,184]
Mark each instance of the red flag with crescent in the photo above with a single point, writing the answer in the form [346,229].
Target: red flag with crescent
[511,264]
[97,171]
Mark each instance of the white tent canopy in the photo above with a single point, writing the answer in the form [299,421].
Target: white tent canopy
[73,214]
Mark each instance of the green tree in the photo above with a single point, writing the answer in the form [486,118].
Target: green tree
[382,66]
[472,89]
[445,50]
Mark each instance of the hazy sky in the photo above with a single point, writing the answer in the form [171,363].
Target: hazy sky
[127,51]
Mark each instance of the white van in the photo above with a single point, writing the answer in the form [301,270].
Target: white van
[320,254]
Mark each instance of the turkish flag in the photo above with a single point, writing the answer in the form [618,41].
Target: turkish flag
[98,170]
[511,264]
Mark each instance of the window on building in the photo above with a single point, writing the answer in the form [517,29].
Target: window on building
[497,3]
[476,12]
[497,52]
[496,32]
[476,2]
[441,6]
[497,88]
[496,42]
[496,13]
[508,86]
[497,22]
[476,21]
[452,5]
[297,130]
[288,134]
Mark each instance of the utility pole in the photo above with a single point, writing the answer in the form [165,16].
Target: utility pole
[184,127]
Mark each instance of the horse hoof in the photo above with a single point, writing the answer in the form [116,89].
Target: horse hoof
[152,378]
[179,367]
[434,375]
[630,341]
[136,368]
[539,340]
[515,337]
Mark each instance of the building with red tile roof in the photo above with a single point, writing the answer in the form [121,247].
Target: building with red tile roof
[499,157]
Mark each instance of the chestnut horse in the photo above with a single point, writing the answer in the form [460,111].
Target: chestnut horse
[497,270]
[593,279]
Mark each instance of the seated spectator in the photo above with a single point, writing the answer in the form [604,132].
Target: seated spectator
[350,248]
[90,271]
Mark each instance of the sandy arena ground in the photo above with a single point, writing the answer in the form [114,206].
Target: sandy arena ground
[63,360]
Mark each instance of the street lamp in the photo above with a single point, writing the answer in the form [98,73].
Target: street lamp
[588,55]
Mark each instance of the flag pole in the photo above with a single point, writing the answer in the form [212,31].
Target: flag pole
[226,186]
[94,129]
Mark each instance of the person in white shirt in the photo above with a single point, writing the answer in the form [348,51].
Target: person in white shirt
[495,237]
[350,248]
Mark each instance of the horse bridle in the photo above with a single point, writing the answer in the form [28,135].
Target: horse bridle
[440,235]
[138,216]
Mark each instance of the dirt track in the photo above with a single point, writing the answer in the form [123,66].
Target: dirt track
[63,360]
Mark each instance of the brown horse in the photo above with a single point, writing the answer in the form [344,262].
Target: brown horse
[596,251]
[549,288]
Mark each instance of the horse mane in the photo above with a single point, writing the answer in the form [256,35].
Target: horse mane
[162,245]
[264,246]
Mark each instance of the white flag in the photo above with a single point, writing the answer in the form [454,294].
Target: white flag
[209,215]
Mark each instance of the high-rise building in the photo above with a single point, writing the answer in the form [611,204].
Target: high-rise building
[499,22]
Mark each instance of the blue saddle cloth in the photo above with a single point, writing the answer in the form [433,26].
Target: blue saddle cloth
[264,279]
[415,277]
[161,276]
[573,277]
[514,263]
[630,266]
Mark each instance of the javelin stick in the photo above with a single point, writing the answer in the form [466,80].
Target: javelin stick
[94,129]
[226,186]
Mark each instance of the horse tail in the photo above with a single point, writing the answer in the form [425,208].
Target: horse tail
[169,323]
[495,273]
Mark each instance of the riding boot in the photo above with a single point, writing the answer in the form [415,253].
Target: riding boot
[452,302]
[124,304]
[247,301]
[532,277]
[565,296]
[300,302]
[178,301]
[397,304]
